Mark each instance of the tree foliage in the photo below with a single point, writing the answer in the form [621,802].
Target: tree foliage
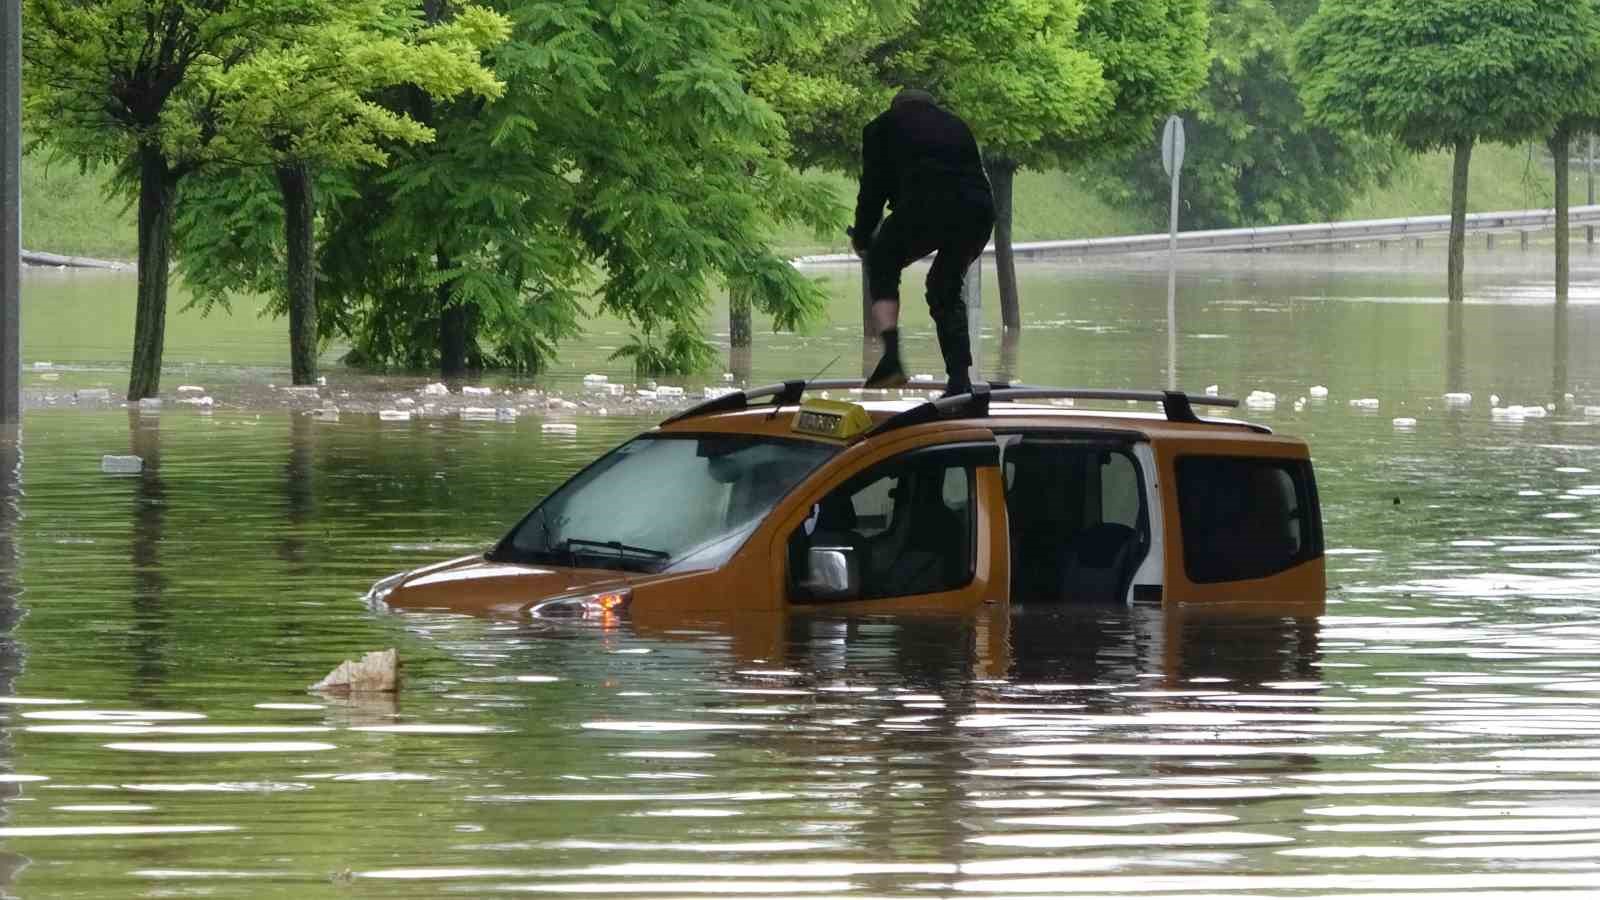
[1254,158]
[1445,74]
[626,152]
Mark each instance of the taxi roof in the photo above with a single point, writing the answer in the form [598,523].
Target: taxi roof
[911,406]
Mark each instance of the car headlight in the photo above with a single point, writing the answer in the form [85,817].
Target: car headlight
[381,590]
[600,603]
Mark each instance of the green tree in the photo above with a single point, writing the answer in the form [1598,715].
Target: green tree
[121,84]
[1254,158]
[626,147]
[307,106]
[1445,74]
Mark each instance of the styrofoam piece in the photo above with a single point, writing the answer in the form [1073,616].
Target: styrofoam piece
[50,376]
[476,391]
[668,390]
[644,394]
[559,428]
[1405,422]
[150,404]
[1458,398]
[1494,399]
[1535,412]
[197,401]
[93,394]
[434,390]
[593,378]
[505,414]
[727,377]
[1318,392]
[329,414]
[322,381]
[712,393]
[121,465]
[1366,403]
[300,390]
[1261,400]
[478,413]
[1212,390]
[603,387]
[394,415]
[405,402]
[1591,410]
[44,365]
[191,389]
[922,376]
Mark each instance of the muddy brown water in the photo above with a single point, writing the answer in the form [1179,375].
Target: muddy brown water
[1435,734]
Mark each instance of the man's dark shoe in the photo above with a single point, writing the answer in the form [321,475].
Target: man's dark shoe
[956,389]
[888,374]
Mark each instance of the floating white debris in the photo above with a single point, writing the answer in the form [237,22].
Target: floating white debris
[712,393]
[559,428]
[50,376]
[404,402]
[922,376]
[477,391]
[1300,405]
[1568,397]
[604,387]
[1063,401]
[377,672]
[668,390]
[1508,412]
[300,390]
[1261,400]
[93,394]
[1405,422]
[330,414]
[592,378]
[44,365]
[150,404]
[478,413]
[1534,412]
[435,390]
[322,380]
[1212,390]
[602,411]
[121,465]
[1318,392]
[1366,403]
[1458,398]
[394,415]
[727,376]
[190,389]
[564,404]
[1591,410]
[1494,399]
[645,394]
[197,401]
[505,414]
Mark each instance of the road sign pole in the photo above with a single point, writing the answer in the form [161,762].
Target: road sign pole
[1172,141]
[10,211]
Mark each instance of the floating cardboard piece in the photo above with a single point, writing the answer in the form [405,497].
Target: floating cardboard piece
[377,672]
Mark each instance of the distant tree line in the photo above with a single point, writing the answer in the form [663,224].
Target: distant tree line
[454,185]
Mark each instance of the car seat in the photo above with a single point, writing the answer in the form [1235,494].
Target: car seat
[1097,562]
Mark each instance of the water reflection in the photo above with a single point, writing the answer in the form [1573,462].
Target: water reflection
[148,633]
[10,614]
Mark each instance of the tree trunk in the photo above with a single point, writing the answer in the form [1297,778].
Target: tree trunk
[1002,177]
[299,206]
[738,317]
[452,325]
[1458,220]
[1560,147]
[156,195]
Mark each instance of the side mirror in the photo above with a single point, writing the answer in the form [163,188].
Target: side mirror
[835,573]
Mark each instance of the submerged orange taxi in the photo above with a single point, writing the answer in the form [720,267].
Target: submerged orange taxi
[770,499]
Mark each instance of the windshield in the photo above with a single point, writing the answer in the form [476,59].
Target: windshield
[662,502]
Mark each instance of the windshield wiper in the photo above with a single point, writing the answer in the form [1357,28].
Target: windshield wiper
[617,546]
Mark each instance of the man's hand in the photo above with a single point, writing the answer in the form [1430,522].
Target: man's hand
[858,243]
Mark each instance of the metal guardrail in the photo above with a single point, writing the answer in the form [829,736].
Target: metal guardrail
[1275,236]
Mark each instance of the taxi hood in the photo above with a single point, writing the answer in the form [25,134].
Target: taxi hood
[478,586]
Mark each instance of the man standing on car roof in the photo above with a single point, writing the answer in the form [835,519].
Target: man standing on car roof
[924,161]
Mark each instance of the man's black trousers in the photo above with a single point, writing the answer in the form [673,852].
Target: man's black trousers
[957,235]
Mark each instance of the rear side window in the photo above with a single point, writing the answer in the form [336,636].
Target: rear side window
[1246,518]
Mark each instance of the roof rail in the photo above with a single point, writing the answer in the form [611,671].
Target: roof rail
[1178,405]
[788,393]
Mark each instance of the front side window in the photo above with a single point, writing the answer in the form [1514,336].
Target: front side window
[910,523]
[1246,518]
[663,502]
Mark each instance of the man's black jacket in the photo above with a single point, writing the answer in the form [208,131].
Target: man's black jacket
[924,161]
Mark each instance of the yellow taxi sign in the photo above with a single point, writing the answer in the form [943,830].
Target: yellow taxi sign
[831,419]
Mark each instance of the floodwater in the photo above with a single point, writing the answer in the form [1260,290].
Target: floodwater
[1436,734]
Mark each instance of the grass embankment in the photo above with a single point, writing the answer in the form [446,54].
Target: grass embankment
[66,211]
